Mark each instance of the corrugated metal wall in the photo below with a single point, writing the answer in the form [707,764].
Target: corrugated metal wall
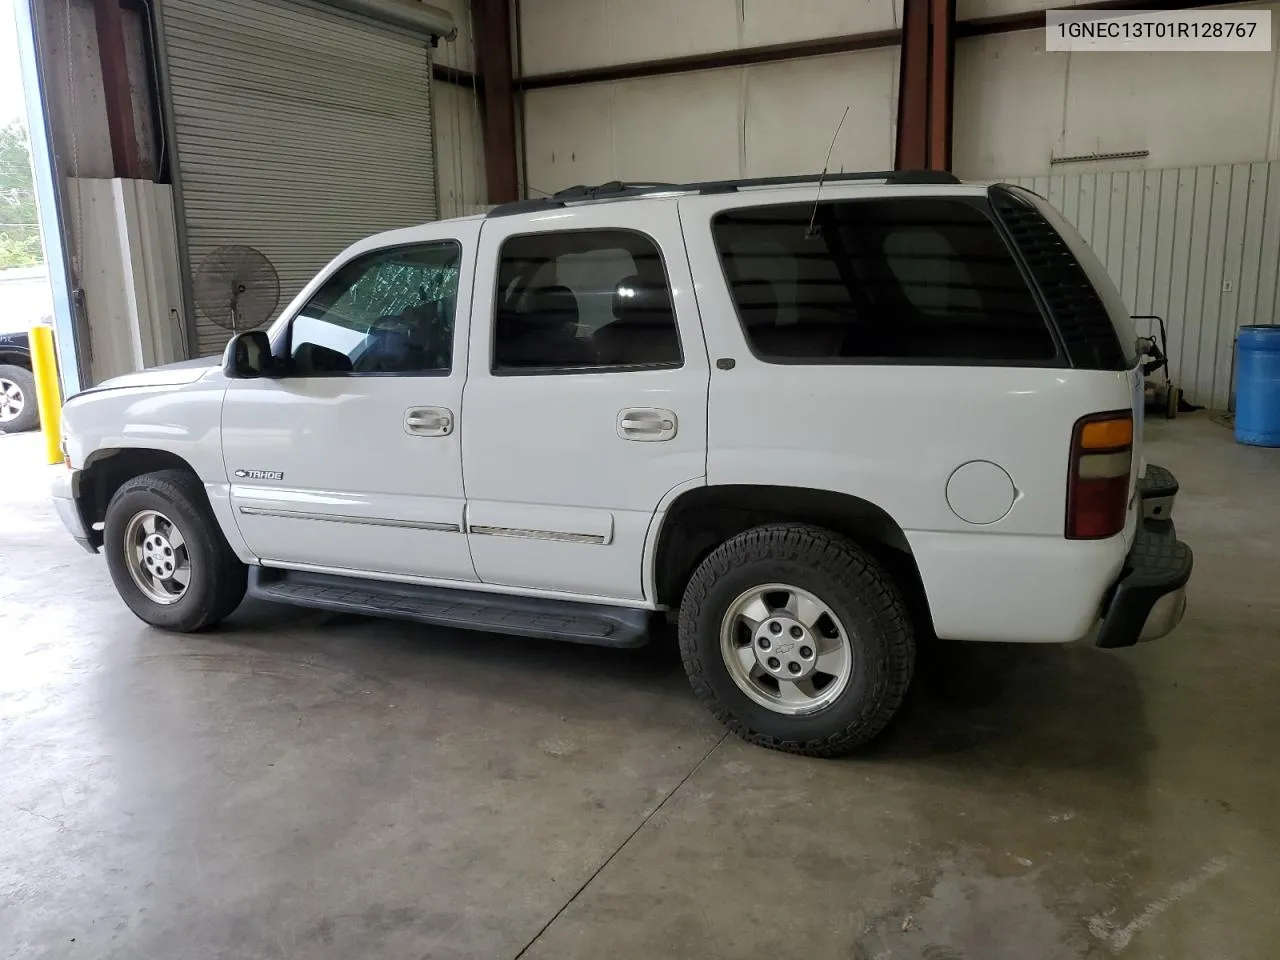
[1199,246]
[299,131]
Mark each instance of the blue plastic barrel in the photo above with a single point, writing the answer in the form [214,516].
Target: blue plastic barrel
[1258,386]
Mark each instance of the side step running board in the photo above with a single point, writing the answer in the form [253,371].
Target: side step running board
[446,607]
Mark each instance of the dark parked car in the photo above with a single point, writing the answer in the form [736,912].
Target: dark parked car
[17,385]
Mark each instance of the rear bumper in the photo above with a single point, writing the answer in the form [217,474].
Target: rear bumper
[1044,589]
[1150,596]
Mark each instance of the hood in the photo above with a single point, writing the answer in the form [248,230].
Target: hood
[166,375]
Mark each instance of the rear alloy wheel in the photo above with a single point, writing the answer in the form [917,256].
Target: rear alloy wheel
[167,555]
[786,649]
[18,409]
[797,639]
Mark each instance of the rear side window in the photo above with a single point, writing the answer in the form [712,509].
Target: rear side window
[923,280]
[583,301]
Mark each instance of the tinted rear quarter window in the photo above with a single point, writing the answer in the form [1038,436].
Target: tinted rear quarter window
[926,280]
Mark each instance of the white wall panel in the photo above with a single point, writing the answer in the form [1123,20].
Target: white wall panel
[568,135]
[1199,246]
[976,9]
[459,149]
[129,273]
[1017,106]
[674,128]
[559,35]
[1186,108]
[1008,104]
[793,107]
[650,29]
[768,21]
[761,120]
[658,129]
[460,51]
[77,106]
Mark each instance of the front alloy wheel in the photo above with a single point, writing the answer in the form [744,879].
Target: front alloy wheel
[167,555]
[157,556]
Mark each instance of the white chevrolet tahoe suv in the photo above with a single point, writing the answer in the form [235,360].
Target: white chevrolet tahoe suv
[810,425]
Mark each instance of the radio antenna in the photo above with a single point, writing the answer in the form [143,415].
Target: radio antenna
[809,234]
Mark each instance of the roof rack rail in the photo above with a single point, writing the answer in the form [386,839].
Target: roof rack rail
[581,192]
[923,176]
[619,189]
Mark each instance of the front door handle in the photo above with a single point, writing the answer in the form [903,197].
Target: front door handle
[647,424]
[428,421]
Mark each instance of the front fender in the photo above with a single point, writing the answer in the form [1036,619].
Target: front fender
[184,420]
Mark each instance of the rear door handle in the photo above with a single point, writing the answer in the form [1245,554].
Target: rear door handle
[428,421]
[647,424]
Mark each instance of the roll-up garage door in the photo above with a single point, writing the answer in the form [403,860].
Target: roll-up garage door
[299,131]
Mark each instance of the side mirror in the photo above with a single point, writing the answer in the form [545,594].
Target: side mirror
[248,355]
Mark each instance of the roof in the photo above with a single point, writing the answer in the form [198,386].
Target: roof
[620,190]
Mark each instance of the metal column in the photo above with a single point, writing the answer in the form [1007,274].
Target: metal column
[493,50]
[926,85]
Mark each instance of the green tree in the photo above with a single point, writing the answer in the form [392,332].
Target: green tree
[19,223]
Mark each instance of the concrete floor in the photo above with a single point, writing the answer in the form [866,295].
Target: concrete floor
[297,785]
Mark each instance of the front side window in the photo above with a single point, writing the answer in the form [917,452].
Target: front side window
[924,280]
[583,300]
[390,311]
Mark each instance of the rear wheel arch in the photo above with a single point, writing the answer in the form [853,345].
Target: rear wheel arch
[701,519]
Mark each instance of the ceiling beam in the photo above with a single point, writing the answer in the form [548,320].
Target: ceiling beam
[771,53]
[871,40]
[442,73]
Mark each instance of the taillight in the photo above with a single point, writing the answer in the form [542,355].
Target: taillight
[1098,485]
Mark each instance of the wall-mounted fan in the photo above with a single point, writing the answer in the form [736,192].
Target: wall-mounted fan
[237,288]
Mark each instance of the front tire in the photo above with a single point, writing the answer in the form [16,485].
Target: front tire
[18,409]
[167,556]
[797,640]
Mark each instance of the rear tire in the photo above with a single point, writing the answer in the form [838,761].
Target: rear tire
[167,556]
[18,408]
[797,639]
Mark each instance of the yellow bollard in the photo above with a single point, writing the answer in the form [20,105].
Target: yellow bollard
[44,365]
